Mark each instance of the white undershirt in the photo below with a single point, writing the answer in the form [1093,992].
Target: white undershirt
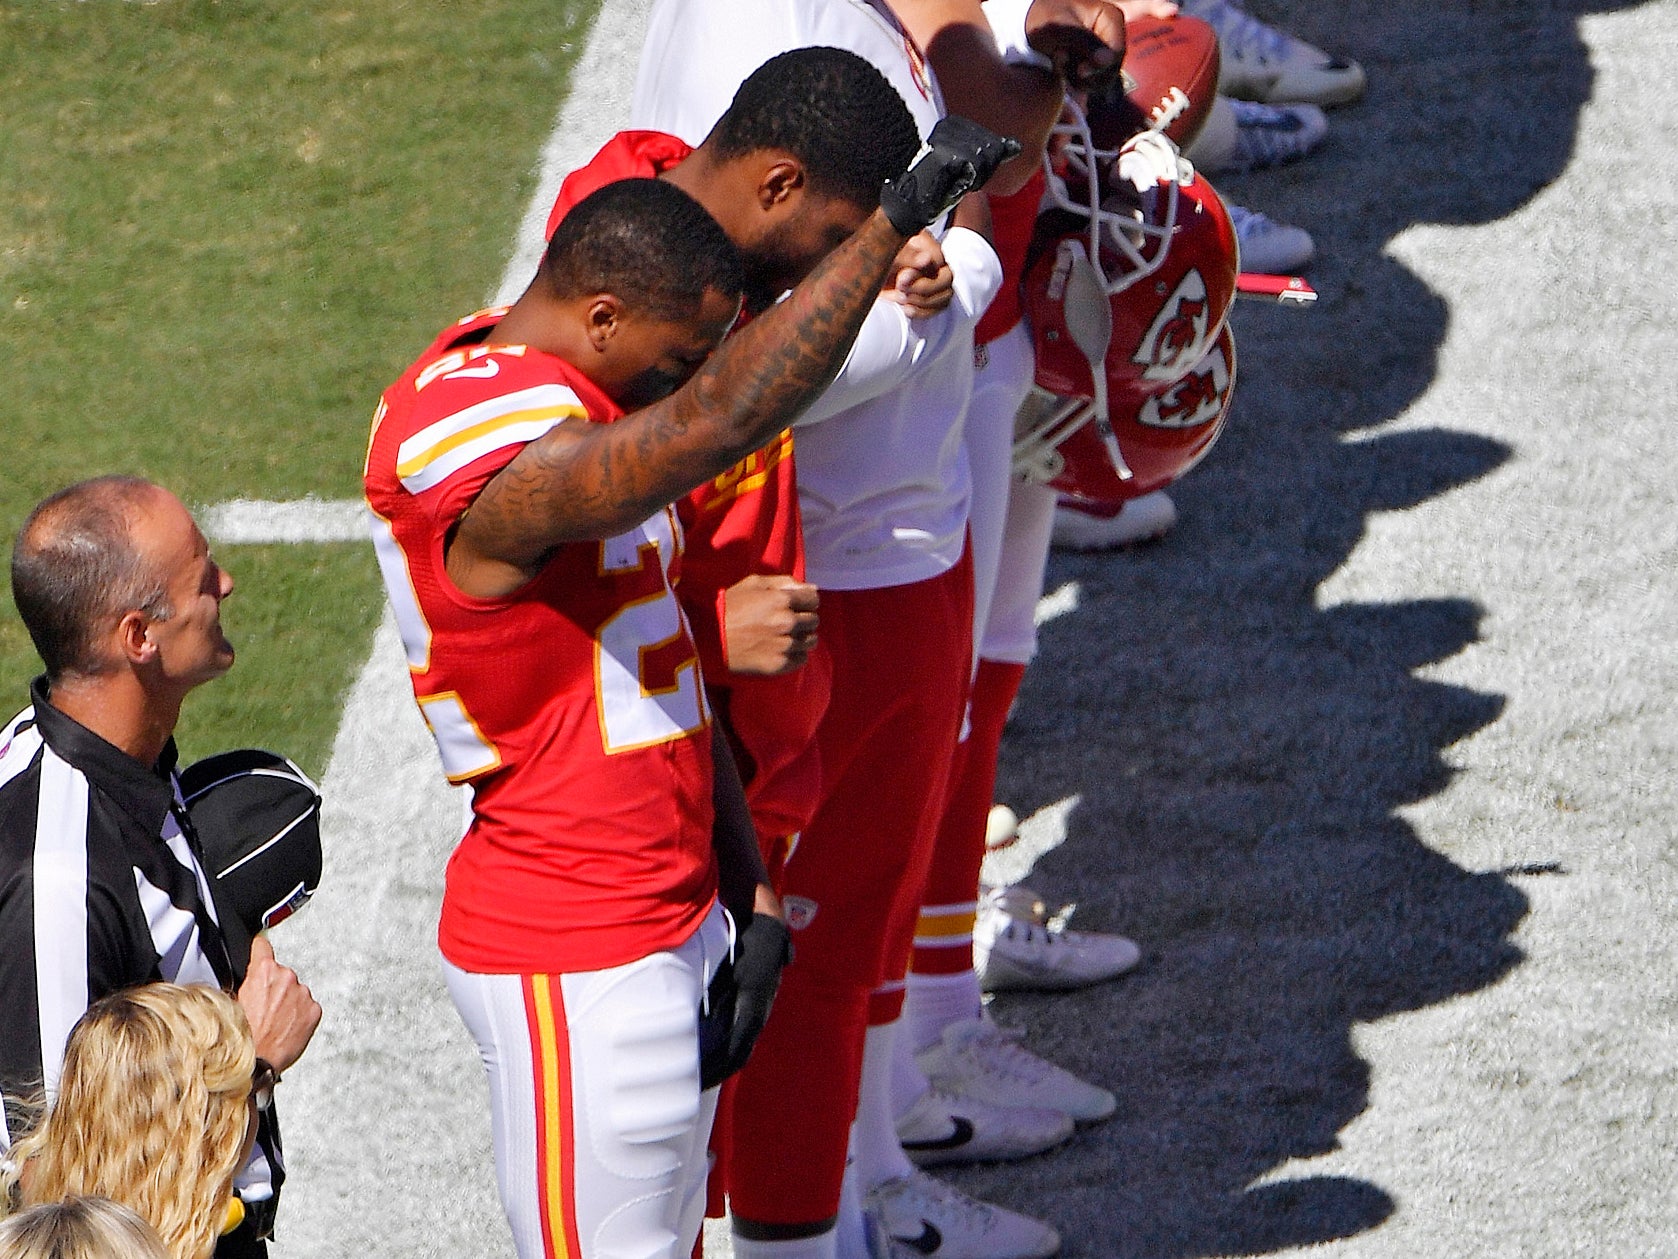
[882,473]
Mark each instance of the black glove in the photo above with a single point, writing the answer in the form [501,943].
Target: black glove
[739,998]
[957,157]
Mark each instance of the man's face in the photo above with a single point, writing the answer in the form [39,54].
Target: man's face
[798,234]
[191,647]
[650,358]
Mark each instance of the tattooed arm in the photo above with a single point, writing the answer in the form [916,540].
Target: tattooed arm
[582,480]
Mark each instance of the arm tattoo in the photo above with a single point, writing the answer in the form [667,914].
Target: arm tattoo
[583,480]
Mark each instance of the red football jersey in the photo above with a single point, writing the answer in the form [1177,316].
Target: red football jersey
[745,521]
[574,706]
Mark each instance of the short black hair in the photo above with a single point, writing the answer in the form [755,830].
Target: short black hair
[75,564]
[646,242]
[831,110]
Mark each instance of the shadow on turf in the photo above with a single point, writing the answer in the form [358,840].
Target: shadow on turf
[1242,754]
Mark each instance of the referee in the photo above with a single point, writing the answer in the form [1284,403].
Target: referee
[101,879]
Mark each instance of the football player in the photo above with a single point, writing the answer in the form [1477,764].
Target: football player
[885,489]
[792,166]
[523,527]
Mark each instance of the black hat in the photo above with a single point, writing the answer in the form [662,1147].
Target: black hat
[258,820]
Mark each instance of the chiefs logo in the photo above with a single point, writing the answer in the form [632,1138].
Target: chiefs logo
[1196,399]
[1179,334]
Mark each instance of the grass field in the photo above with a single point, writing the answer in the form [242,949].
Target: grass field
[1374,753]
[224,227]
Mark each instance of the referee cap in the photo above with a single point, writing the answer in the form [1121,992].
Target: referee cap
[258,819]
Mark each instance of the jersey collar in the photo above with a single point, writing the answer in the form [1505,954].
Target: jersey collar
[146,793]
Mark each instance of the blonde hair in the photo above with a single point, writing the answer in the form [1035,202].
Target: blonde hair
[151,1111]
[79,1228]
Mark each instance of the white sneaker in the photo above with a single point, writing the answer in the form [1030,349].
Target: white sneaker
[1269,135]
[979,1059]
[1018,942]
[1261,63]
[1269,247]
[944,1127]
[1083,526]
[927,1219]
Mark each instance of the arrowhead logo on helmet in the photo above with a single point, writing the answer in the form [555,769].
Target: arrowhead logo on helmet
[1198,398]
[1127,295]
[1179,334]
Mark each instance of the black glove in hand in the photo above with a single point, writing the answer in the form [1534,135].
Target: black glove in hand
[740,997]
[957,157]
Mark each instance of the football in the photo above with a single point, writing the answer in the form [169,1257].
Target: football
[1173,64]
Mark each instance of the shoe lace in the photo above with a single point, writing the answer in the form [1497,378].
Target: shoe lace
[1259,147]
[1248,224]
[1241,34]
[1038,935]
[1001,1053]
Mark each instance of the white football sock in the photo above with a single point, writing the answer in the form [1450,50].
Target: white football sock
[821,1246]
[851,1230]
[875,1152]
[936,1001]
[908,1081]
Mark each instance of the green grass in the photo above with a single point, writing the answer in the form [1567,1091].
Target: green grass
[224,228]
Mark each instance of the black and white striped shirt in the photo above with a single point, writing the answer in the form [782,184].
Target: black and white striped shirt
[101,888]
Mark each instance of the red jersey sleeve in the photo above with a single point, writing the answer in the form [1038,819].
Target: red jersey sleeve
[741,523]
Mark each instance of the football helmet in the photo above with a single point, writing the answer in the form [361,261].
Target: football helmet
[1150,436]
[1131,281]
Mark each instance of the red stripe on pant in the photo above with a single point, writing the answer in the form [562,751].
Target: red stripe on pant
[901,658]
[544,1009]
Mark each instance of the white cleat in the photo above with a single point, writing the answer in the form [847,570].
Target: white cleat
[1019,943]
[1260,63]
[979,1059]
[927,1219]
[1272,135]
[1083,526]
[1267,246]
[944,1127]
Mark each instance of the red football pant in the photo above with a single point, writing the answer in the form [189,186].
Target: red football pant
[901,657]
[944,936]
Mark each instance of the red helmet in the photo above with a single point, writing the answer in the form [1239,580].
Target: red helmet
[1152,437]
[1128,292]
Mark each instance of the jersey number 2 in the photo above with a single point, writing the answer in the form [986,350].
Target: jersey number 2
[646,675]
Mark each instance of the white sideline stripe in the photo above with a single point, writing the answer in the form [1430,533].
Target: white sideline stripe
[1061,601]
[246,521]
[1042,832]
[388,820]
[586,121]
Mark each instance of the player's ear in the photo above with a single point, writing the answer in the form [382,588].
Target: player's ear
[603,317]
[780,181]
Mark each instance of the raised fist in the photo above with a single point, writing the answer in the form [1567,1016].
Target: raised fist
[958,157]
